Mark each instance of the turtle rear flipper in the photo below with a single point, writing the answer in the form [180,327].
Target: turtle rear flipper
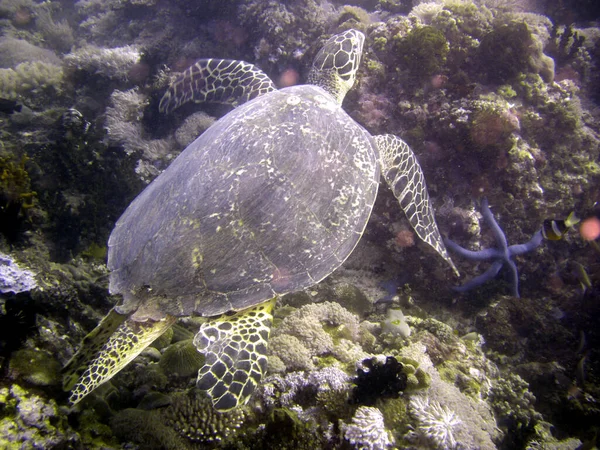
[225,81]
[106,350]
[404,176]
[235,347]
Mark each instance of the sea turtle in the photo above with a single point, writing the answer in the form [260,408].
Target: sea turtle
[271,199]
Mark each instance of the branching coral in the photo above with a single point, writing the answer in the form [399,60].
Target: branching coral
[113,63]
[192,127]
[426,11]
[58,34]
[513,402]
[124,127]
[564,44]
[287,29]
[291,352]
[29,78]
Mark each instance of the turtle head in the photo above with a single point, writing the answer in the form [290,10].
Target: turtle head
[335,66]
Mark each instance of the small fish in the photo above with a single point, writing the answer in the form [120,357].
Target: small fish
[554,230]
[583,277]
[574,392]
[580,370]
[582,342]
[9,106]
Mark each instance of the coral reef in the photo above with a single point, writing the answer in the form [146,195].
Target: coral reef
[112,63]
[124,128]
[285,31]
[514,403]
[30,79]
[58,34]
[435,422]
[13,278]
[378,380]
[181,359]
[318,329]
[512,49]
[192,127]
[477,428]
[423,51]
[367,430]
[192,416]
[34,367]
[31,421]
[470,85]
[15,51]
[147,428]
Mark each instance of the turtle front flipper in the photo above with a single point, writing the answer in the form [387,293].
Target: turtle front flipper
[235,347]
[226,81]
[404,175]
[107,349]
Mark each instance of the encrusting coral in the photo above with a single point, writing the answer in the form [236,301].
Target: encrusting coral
[13,278]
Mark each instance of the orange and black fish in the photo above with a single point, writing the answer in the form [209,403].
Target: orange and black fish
[554,230]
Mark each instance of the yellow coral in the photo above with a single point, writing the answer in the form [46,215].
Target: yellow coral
[29,78]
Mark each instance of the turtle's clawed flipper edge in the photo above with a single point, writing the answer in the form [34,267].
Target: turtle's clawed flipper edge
[225,81]
[106,350]
[404,176]
[235,347]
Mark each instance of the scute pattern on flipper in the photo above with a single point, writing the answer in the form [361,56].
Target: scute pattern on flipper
[126,342]
[235,347]
[405,177]
[89,349]
[224,81]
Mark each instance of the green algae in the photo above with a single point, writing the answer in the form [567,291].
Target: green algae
[36,367]
[423,51]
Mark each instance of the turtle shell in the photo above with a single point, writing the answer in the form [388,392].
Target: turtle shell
[271,199]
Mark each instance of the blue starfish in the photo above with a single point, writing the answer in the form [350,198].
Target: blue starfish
[501,256]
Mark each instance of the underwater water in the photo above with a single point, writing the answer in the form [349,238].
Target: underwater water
[299,192]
